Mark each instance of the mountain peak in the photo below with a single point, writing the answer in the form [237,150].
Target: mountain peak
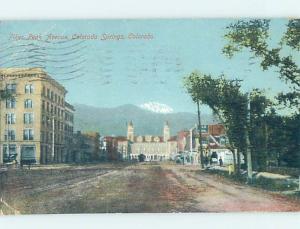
[113,120]
[157,107]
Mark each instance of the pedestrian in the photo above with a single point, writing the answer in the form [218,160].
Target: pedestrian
[221,161]
[206,160]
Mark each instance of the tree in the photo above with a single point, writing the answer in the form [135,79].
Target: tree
[291,131]
[194,88]
[226,101]
[253,35]
[281,132]
[259,105]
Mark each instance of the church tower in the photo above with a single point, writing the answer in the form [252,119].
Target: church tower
[166,132]
[130,132]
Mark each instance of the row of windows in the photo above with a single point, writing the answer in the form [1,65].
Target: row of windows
[69,117]
[28,104]
[47,137]
[11,118]
[47,122]
[28,118]
[52,96]
[28,134]
[29,89]
[10,135]
[69,128]
[12,88]
[11,103]
[46,106]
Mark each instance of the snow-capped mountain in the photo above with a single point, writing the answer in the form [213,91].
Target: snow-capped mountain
[157,107]
[113,121]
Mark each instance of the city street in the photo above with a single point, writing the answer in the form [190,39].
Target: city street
[131,188]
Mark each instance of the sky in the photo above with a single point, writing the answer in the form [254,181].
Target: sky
[111,72]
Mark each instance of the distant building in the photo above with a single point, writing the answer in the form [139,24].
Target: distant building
[32,122]
[123,148]
[86,147]
[212,137]
[111,148]
[69,132]
[103,152]
[182,140]
[216,129]
[155,148]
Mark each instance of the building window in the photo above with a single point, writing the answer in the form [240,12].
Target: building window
[28,103]
[28,118]
[10,118]
[10,135]
[52,95]
[28,89]
[43,105]
[48,93]
[48,121]
[42,136]
[44,91]
[28,134]
[11,88]
[11,103]
[48,106]
[9,154]
[28,153]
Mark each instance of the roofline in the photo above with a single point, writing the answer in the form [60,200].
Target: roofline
[21,71]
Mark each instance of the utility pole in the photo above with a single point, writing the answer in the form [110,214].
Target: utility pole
[191,140]
[53,136]
[200,134]
[8,130]
[249,158]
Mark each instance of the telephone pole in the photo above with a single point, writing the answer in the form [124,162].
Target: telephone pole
[53,141]
[200,134]
[249,158]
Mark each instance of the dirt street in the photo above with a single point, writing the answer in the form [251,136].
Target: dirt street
[134,188]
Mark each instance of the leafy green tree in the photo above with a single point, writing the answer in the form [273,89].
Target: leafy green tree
[291,132]
[259,105]
[281,132]
[227,102]
[254,35]
[276,142]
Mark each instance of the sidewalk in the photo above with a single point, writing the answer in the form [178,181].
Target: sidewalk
[265,179]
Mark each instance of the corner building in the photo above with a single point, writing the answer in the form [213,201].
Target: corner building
[32,122]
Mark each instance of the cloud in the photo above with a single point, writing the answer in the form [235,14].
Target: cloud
[157,107]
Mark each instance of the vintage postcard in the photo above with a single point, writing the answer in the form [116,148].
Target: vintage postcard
[149,116]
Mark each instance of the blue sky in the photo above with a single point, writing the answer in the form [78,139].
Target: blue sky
[111,73]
